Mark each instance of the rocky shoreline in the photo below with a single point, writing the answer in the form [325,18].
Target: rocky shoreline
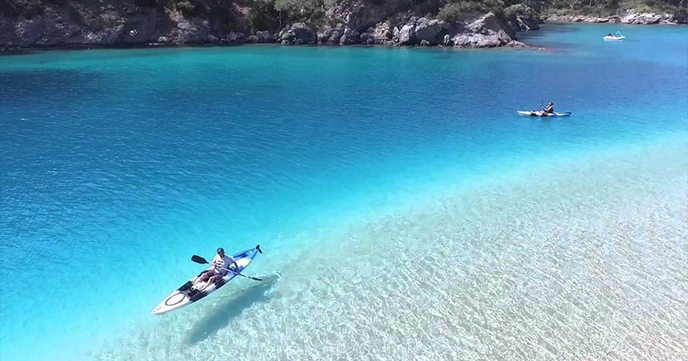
[630,17]
[127,23]
[360,22]
[473,31]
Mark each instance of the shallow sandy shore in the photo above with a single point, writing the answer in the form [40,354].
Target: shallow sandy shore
[580,260]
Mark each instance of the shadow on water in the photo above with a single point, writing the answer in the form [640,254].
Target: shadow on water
[230,308]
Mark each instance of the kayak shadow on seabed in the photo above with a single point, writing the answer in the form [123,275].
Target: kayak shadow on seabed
[228,309]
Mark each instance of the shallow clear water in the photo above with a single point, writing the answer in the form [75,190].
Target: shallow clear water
[405,209]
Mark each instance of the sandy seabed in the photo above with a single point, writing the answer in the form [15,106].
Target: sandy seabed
[580,260]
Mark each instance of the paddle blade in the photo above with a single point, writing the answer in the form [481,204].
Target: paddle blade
[198,259]
[258,248]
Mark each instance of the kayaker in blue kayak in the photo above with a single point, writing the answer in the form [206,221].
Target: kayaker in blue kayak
[220,264]
[549,109]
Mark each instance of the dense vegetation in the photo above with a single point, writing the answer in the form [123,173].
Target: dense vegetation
[272,13]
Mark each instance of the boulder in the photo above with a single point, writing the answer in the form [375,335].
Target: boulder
[234,38]
[265,37]
[350,36]
[447,40]
[297,34]
[641,18]
[680,17]
[406,35]
[367,38]
[252,39]
[382,33]
[485,32]
[430,30]
[521,18]
[330,35]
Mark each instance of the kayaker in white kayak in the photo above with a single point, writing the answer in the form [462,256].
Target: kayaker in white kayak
[549,109]
[220,264]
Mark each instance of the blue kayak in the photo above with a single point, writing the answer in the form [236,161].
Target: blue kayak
[534,113]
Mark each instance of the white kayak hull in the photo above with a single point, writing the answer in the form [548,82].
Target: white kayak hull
[614,38]
[534,113]
[186,294]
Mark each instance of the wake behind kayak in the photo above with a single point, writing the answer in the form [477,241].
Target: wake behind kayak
[186,294]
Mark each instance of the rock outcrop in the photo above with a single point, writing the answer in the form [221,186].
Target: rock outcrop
[128,23]
[522,18]
[297,34]
[630,17]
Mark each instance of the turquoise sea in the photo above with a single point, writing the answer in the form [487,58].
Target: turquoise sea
[406,211]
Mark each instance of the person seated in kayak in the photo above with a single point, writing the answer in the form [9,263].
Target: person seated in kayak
[610,34]
[549,109]
[220,266]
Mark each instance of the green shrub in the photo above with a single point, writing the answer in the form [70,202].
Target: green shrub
[452,12]
[187,8]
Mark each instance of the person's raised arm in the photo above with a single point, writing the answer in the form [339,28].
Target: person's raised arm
[236,266]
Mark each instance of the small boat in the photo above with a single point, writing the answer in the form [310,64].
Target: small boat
[536,113]
[617,36]
[186,294]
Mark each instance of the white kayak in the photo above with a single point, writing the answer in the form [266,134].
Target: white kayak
[534,113]
[186,294]
[615,37]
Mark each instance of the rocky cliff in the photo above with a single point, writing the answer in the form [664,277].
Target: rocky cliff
[92,23]
[629,17]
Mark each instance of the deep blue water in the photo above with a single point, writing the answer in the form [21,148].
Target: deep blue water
[117,165]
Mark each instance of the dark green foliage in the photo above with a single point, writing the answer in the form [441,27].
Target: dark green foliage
[187,7]
[254,15]
[453,11]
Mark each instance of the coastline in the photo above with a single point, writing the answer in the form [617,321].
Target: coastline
[628,18]
[652,19]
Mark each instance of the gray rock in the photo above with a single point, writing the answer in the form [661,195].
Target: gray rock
[447,40]
[424,43]
[298,33]
[522,18]
[430,30]
[488,24]
[330,35]
[252,39]
[213,39]
[367,38]
[350,36]
[234,38]
[265,37]
[680,17]
[164,40]
[407,35]
[381,33]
